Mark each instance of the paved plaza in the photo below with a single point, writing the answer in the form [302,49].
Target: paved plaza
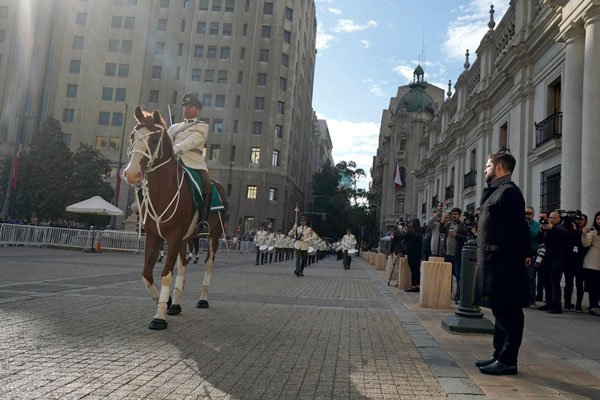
[75,326]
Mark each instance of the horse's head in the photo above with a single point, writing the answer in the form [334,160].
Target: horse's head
[149,146]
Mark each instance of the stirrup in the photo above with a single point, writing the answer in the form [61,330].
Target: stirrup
[202,228]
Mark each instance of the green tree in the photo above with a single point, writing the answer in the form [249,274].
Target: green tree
[45,178]
[91,168]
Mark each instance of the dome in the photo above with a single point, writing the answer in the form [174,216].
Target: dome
[417,99]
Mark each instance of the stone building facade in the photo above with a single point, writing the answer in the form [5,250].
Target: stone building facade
[90,63]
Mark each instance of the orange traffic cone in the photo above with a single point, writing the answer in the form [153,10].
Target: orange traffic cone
[99,247]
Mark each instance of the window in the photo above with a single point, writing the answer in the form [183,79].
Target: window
[201,27]
[216,5]
[266,31]
[268,8]
[75,66]
[117,119]
[215,152]
[129,23]
[220,101]
[164,3]
[287,37]
[212,52]
[217,126]
[209,75]
[71,90]
[3,12]
[156,72]
[281,107]
[203,5]
[214,28]
[229,5]
[207,100]
[238,100]
[255,155]
[225,53]
[248,222]
[186,4]
[81,18]
[272,194]
[120,94]
[399,204]
[263,55]
[153,96]
[275,159]
[126,46]
[251,192]
[182,25]
[245,30]
[550,189]
[110,69]
[257,127]
[222,76]
[162,24]
[113,45]
[261,79]
[198,51]
[235,126]
[177,75]
[78,42]
[180,49]
[259,103]
[107,93]
[285,60]
[116,21]
[279,131]
[289,13]
[196,74]
[240,77]
[503,145]
[174,98]
[159,48]
[68,115]
[103,118]
[123,70]
[107,143]
[227,29]
[282,83]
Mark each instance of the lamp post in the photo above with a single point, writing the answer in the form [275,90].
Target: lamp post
[120,162]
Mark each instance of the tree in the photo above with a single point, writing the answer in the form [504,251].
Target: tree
[91,168]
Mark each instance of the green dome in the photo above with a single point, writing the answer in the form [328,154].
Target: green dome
[417,99]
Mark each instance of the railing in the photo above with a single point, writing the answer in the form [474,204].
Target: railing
[548,129]
[449,192]
[46,236]
[470,179]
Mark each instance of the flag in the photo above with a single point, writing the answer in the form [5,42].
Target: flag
[15,169]
[397,178]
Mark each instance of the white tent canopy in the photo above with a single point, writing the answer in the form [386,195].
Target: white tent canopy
[94,205]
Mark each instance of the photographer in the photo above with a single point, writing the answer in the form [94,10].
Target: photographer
[411,235]
[455,239]
[438,232]
[534,230]
[557,239]
[574,221]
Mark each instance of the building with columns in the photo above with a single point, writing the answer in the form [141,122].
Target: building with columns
[90,63]
[533,89]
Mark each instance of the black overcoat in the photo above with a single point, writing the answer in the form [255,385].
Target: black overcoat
[503,244]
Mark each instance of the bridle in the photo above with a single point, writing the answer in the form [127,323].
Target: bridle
[152,156]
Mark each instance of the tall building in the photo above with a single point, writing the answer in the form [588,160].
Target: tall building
[90,63]
[532,90]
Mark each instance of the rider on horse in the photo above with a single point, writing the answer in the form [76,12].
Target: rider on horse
[189,137]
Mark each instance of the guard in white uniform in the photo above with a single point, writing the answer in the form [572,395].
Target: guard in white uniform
[302,235]
[348,242]
[260,239]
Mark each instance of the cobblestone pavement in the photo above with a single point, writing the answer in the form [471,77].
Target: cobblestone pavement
[74,325]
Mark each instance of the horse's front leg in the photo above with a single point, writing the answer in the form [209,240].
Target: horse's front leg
[153,244]
[175,308]
[209,262]
[159,320]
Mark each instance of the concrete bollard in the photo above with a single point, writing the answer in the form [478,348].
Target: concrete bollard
[405,276]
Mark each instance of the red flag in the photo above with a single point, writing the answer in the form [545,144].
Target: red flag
[15,174]
[397,178]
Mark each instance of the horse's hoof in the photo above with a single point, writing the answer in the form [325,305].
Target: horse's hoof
[157,324]
[174,309]
[202,304]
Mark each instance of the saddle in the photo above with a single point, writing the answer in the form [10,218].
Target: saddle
[195,182]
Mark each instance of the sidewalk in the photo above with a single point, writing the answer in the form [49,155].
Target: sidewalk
[75,326]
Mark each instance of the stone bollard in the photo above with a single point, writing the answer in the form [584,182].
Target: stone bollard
[380,261]
[436,284]
[405,276]
[391,269]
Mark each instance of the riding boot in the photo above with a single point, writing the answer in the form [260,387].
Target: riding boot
[203,228]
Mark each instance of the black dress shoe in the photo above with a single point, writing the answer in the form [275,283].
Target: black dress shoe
[296,272]
[545,307]
[499,368]
[301,273]
[555,311]
[485,363]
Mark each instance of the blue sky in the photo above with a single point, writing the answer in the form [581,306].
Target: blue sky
[366,49]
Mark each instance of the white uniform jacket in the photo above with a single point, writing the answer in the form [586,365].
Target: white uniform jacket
[260,237]
[188,141]
[303,235]
[348,242]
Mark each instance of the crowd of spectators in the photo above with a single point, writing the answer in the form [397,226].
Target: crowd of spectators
[56,223]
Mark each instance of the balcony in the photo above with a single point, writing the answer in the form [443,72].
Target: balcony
[548,129]
[449,192]
[470,179]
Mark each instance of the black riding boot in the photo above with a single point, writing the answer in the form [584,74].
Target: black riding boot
[203,228]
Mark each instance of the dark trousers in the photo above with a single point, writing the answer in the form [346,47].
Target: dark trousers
[592,282]
[414,263]
[541,279]
[570,276]
[347,260]
[301,258]
[553,270]
[508,333]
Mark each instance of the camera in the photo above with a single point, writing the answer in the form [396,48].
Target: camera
[469,219]
[400,223]
[569,216]
[544,222]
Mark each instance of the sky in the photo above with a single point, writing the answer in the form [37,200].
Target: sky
[366,49]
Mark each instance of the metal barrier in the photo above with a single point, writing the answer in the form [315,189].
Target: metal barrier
[46,236]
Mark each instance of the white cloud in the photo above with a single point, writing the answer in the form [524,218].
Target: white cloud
[405,71]
[376,88]
[469,27]
[365,44]
[323,38]
[347,25]
[354,141]
[335,11]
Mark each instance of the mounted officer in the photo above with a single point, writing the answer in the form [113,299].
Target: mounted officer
[189,137]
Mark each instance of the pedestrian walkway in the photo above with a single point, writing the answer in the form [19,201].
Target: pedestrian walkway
[74,325]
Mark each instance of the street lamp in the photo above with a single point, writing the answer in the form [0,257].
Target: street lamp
[118,189]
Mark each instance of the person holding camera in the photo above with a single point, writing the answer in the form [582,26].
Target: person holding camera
[591,263]
[574,262]
[437,225]
[456,235]
[411,235]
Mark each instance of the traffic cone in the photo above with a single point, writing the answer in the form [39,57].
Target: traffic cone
[99,246]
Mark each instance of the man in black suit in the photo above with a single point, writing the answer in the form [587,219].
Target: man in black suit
[503,244]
